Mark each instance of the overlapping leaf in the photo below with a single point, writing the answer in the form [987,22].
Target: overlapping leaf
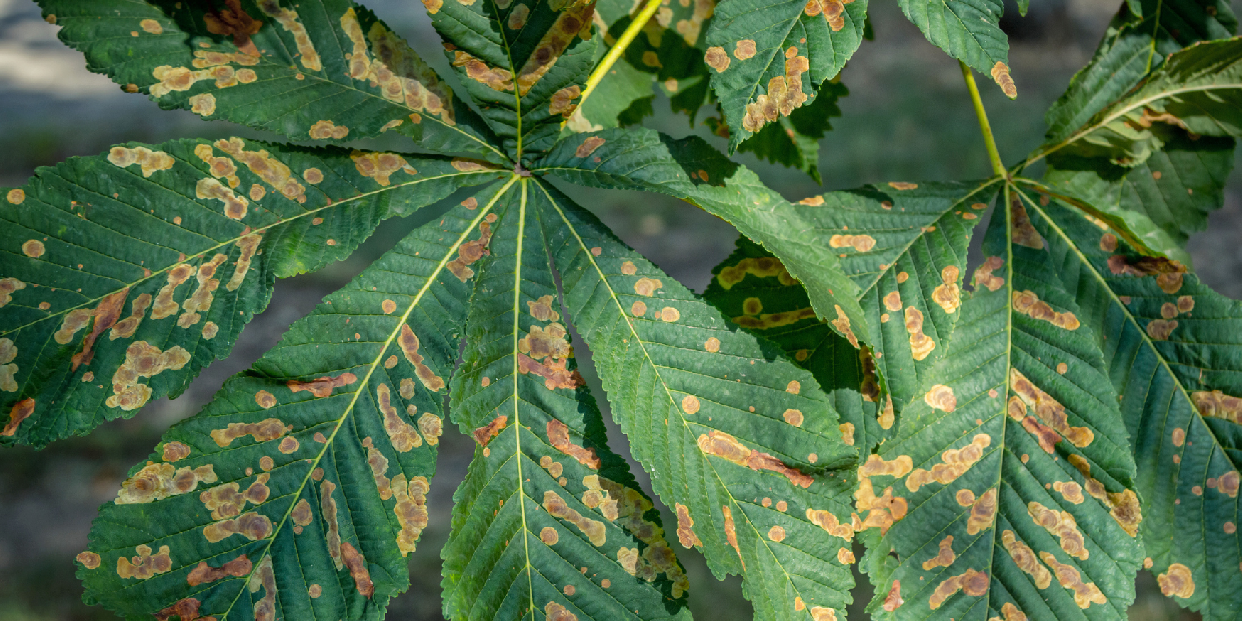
[1163,200]
[1139,37]
[1164,186]
[767,59]
[902,246]
[736,439]
[968,30]
[299,491]
[668,51]
[1197,90]
[691,170]
[847,374]
[1006,492]
[317,69]
[524,62]
[1171,345]
[545,496]
[168,251]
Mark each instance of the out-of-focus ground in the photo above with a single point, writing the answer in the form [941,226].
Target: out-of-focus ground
[908,117]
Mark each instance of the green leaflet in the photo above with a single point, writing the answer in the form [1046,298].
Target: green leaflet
[1137,41]
[794,140]
[1197,90]
[969,31]
[1171,347]
[299,491]
[1006,489]
[524,62]
[845,373]
[689,169]
[545,496]
[320,69]
[767,59]
[751,489]
[90,296]
[1163,200]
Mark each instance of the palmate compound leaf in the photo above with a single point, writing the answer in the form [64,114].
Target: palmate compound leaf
[690,169]
[767,59]
[1171,345]
[847,374]
[548,520]
[740,443]
[1007,491]
[317,69]
[299,491]
[524,62]
[124,275]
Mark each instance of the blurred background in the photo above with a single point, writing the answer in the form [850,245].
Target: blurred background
[908,117]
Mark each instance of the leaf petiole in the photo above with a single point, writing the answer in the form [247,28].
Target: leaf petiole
[993,155]
[616,51]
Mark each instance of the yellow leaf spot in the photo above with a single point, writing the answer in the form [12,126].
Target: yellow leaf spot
[1086,593]
[149,161]
[941,397]
[145,565]
[33,248]
[203,104]
[955,463]
[1000,73]
[793,417]
[861,243]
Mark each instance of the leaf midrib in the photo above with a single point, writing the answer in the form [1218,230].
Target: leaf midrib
[672,402]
